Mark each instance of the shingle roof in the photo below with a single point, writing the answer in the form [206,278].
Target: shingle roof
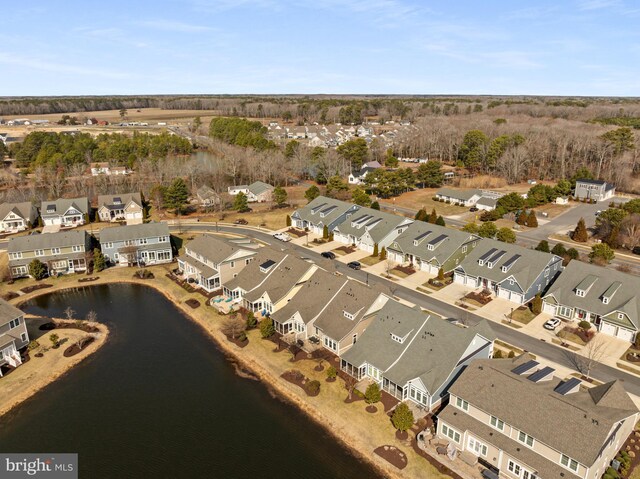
[50,240]
[458,194]
[624,298]
[206,192]
[251,276]
[125,198]
[259,187]
[487,201]
[131,232]
[8,312]
[424,233]
[525,268]
[312,297]
[23,210]
[212,248]
[430,350]
[62,205]
[331,208]
[378,223]
[578,424]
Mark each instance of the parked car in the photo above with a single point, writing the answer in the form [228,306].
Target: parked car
[241,221]
[354,265]
[597,213]
[552,324]
[282,237]
[328,255]
[473,209]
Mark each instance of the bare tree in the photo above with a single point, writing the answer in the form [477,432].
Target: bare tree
[350,384]
[92,316]
[233,327]
[69,313]
[591,355]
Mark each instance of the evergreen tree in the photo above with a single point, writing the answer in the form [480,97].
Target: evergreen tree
[402,418]
[521,218]
[532,220]
[288,220]
[543,246]
[251,320]
[572,253]
[241,203]
[612,239]
[433,217]
[280,196]
[506,235]
[440,221]
[421,215]
[176,196]
[559,249]
[580,233]
[360,197]
[375,250]
[335,186]
[99,262]
[375,206]
[536,304]
[37,269]
[312,193]
[266,328]
[325,231]
[601,252]
[372,394]
[430,174]
[471,228]
[487,230]
[441,274]
[383,253]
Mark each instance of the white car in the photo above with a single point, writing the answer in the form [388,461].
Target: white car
[282,237]
[552,324]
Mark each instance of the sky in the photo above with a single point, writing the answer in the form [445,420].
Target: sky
[559,47]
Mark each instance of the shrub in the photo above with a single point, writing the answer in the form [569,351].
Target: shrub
[372,395]
[34,344]
[332,372]
[313,387]
[288,220]
[585,325]
[511,355]
[580,233]
[251,320]
[242,336]
[266,328]
[536,305]
[402,418]
[37,269]
[497,354]
[441,274]
[55,339]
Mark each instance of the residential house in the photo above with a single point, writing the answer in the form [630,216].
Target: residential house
[347,315]
[367,227]
[562,200]
[467,197]
[121,207]
[211,261]
[16,217]
[207,197]
[13,336]
[509,271]
[431,247]
[594,190]
[523,422]
[322,212]
[486,203]
[357,178]
[63,252]
[67,213]
[106,169]
[414,355]
[257,192]
[142,244]
[267,282]
[234,190]
[606,297]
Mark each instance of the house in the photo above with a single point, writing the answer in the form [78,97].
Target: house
[357,178]
[449,175]
[523,422]
[4,137]
[98,169]
[257,192]
[210,261]
[141,244]
[121,207]
[16,217]
[414,355]
[322,212]
[562,200]
[606,297]
[367,227]
[207,197]
[347,315]
[486,203]
[431,247]
[267,282]
[234,190]
[63,252]
[467,197]
[67,213]
[597,190]
[509,271]
[13,336]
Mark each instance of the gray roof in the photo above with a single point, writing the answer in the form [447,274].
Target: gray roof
[459,194]
[8,312]
[378,223]
[355,298]
[621,288]
[431,349]
[214,249]
[578,424]
[24,210]
[259,187]
[312,298]
[487,201]
[62,205]
[206,270]
[132,232]
[331,208]
[425,233]
[206,192]
[125,198]
[251,276]
[50,240]
[525,265]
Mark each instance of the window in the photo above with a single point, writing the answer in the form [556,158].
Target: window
[76,248]
[14,323]
[247,261]
[450,433]
[565,312]
[55,250]
[497,423]
[530,475]
[374,373]
[514,468]
[581,293]
[330,343]
[39,252]
[464,249]
[477,447]
[163,239]
[347,315]
[546,273]
[511,281]
[569,463]
[23,337]
[524,438]
[480,262]
[232,264]
[430,247]
[116,256]
[397,338]
[15,255]
[462,404]
[142,241]
[355,338]
[108,245]
[620,315]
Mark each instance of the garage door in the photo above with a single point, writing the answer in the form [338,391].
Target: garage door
[607,328]
[458,278]
[516,298]
[625,334]
[366,247]
[472,281]
[433,269]
[504,293]
[549,308]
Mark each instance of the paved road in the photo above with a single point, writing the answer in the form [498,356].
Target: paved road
[549,351]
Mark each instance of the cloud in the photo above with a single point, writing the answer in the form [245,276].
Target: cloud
[43,65]
[598,4]
[173,26]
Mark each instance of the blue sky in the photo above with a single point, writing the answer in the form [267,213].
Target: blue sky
[565,47]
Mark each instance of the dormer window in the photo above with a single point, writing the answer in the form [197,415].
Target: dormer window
[489,264]
[397,338]
[620,315]
[430,247]
[605,300]
[581,293]
[481,262]
[504,269]
[348,315]
[321,215]
[415,242]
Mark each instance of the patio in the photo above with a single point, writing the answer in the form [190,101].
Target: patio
[224,305]
[464,464]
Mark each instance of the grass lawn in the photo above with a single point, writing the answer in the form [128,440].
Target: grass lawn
[569,336]
[423,198]
[434,287]
[523,315]
[511,324]
[370,260]
[398,273]
[552,209]
[569,346]
[509,347]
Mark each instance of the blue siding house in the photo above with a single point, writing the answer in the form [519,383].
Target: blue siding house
[137,245]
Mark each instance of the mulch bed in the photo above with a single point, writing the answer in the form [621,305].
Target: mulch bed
[74,349]
[35,287]
[84,327]
[632,447]
[47,326]
[346,249]
[388,401]
[371,409]
[392,455]
[296,377]
[586,336]
[439,467]
[632,358]
[193,303]
[405,269]
[10,295]
[87,280]
[355,397]
[237,342]
[330,380]
[402,435]
[319,368]
[296,233]
[479,297]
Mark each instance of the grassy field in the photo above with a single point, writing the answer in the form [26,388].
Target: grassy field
[423,198]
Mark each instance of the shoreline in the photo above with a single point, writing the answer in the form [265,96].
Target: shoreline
[277,387]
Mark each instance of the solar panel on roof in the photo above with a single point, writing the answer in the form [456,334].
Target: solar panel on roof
[51,208]
[437,240]
[497,256]
[419,237]
[117,200]
[267,264]
[541,374]
[488,254]
[511,260]
[568,386]
[525,367]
